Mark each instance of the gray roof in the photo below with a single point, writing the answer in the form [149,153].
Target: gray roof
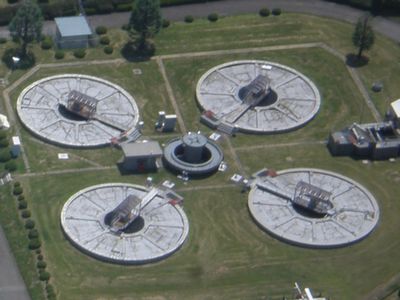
[143,149]
[73,26]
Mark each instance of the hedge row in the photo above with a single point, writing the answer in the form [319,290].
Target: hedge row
[180,2]
[34,242]
[5,153]
[386,6]
[49,10]
[107,6]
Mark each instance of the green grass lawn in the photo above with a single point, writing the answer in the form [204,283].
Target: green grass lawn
[226,255]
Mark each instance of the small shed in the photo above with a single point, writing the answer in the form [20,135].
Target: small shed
[141,157]
[72,32]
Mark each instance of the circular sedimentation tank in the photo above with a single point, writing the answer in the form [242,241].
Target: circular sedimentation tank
[103,110]
[193,153]
[257,96]
[93,220]
[313,208]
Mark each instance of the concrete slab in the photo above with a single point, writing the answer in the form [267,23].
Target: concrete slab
[297,98]
[164,230]
[355,211]
[38,107]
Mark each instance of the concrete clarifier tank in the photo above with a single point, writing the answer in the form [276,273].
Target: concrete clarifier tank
[193,144]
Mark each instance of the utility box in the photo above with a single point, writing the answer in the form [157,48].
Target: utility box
[16,146]
[73,32]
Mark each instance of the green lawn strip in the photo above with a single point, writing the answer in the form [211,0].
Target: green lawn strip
[225,33]
[340,99]
[382,67]
[17,238]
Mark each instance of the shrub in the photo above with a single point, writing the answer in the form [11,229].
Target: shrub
[12,1]
[26,213]
[4,143]
[90,11]
[165,23]
[38,251]
[108,49]
[125,27]
[17,183]
[47,43]
[104,40]
[25,62]
[51,297]
[49,288]
[40,257]
[3,134]
[189,19]
[124,7]
[10,166]
[33,234]
[104,6]
[264,12]
[21,197]
[276,11]
[34,244]
[101,30]
[5,155]
[58,9]
[22,204]
[59,54]
[41,264]
[44,276]
[17,190]
[29,224]
[6,14]
[3,40]
[80,53]
[212,17]
[50,291]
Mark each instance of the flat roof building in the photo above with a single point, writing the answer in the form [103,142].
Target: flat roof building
[72,32]
[141,156]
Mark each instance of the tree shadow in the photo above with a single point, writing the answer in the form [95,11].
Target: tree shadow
[25,61]
[353,61]
[132,53]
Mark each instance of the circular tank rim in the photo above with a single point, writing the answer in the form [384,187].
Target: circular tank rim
[325,245]
[74,75]
[247,129]
[105,258]
[196,169]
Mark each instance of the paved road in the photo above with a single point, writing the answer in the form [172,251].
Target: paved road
[12,287]
[230,7]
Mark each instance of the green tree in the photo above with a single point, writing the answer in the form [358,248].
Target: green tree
[145,22]
[26,26]
[363,35]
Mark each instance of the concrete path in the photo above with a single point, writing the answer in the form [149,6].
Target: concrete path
[323,8]
[12,287]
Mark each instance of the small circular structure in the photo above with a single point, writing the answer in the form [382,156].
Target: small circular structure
[77,110]
[257,96]
[313,208]
[125,223]
[194,154]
